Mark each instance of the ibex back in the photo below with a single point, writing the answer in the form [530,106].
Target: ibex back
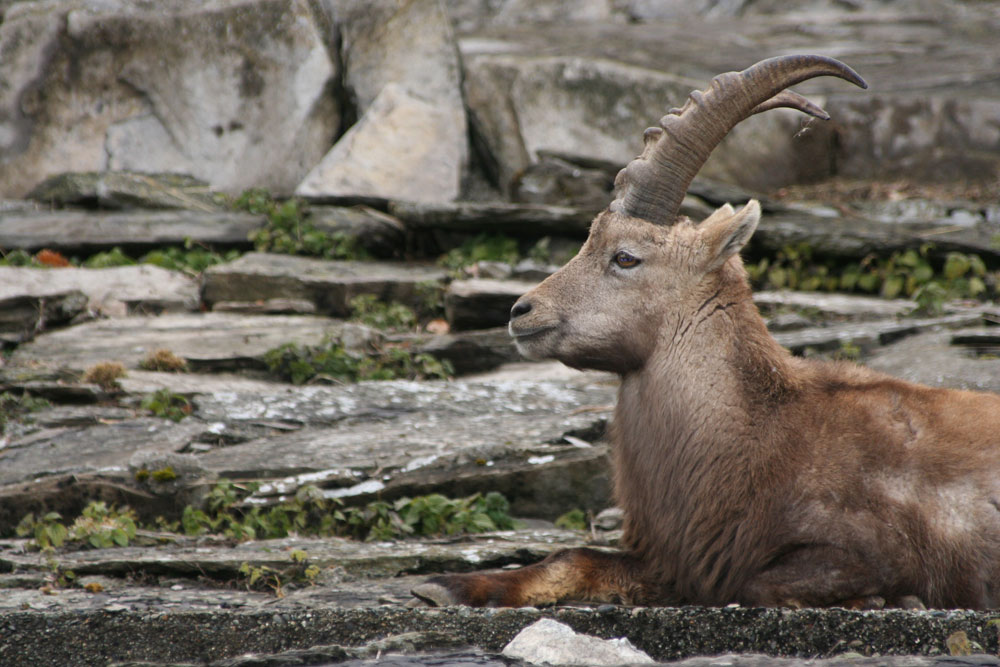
[747,475]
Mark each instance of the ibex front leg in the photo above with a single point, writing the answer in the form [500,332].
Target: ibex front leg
[579,574]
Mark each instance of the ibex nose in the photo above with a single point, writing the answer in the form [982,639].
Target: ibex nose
[520,308]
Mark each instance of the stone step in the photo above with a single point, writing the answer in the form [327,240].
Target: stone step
[327,283]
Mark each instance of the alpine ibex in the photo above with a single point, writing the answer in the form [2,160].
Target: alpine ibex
[746,475]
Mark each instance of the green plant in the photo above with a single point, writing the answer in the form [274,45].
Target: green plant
[430,294]
[310,513]
[191,259]
[103,527]
[47,530]
[575,519]
[108,259]
[168,405]
[98,525]
[484,247]
[262,576]
[19,258]
[910,273]
[163,475]
[545,251]
[848,351]
[368,309]
[299,364]
[290,230]
[430,515]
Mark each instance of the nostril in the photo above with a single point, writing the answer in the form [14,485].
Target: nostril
[520,308]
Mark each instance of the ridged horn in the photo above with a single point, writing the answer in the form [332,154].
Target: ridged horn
[652,186]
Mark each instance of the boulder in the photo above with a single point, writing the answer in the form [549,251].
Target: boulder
[402,72]
[598,108]
[408,44]
[402,148]
[329,284]
[96,87]
[24,315]
[480,303]
[936,359]
[375,232]
[470,351]
[937,137]
[125,189]
[115,291]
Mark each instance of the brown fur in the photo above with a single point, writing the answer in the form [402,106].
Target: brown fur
[746,474]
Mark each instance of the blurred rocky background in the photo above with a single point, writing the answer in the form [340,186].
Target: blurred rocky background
[258,258]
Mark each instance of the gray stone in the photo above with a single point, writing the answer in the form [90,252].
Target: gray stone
[468,16]
[94,88]
[207,341]
[833,305]
[560,104]
[941,109]
[329,284]
[856,237]
[402,71]
[471,351]
[410,45]
[402,148]
[87,232]
[116,291]
[868,335]
[549,642]
[104,448]
[480,303]
[559,183]
[22,316]
[122,189]
[598,109]
[374,232]
[391,439]
[931,358]
[931,137]
[476,217]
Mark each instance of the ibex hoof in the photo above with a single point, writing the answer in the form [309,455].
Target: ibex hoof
[435,595]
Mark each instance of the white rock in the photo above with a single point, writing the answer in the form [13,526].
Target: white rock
[402,148]
[111,292]
[550,642]
[234,92]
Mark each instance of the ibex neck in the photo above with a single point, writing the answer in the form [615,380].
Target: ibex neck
[687,424]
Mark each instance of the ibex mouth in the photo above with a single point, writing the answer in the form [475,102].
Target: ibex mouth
[521,334]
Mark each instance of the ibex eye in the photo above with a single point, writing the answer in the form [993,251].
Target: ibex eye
[625,260]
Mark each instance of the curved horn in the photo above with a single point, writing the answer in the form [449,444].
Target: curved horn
[652,186]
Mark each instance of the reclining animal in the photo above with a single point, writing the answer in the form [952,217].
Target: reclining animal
[746,475]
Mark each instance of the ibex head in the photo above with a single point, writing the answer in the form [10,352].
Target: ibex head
[643,267]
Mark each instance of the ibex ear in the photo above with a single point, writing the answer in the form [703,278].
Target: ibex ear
[726,232]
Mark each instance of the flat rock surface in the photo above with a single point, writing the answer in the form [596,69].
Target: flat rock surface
[85,232]
[111,292]
[941,363]
[220,341]
[329,284]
